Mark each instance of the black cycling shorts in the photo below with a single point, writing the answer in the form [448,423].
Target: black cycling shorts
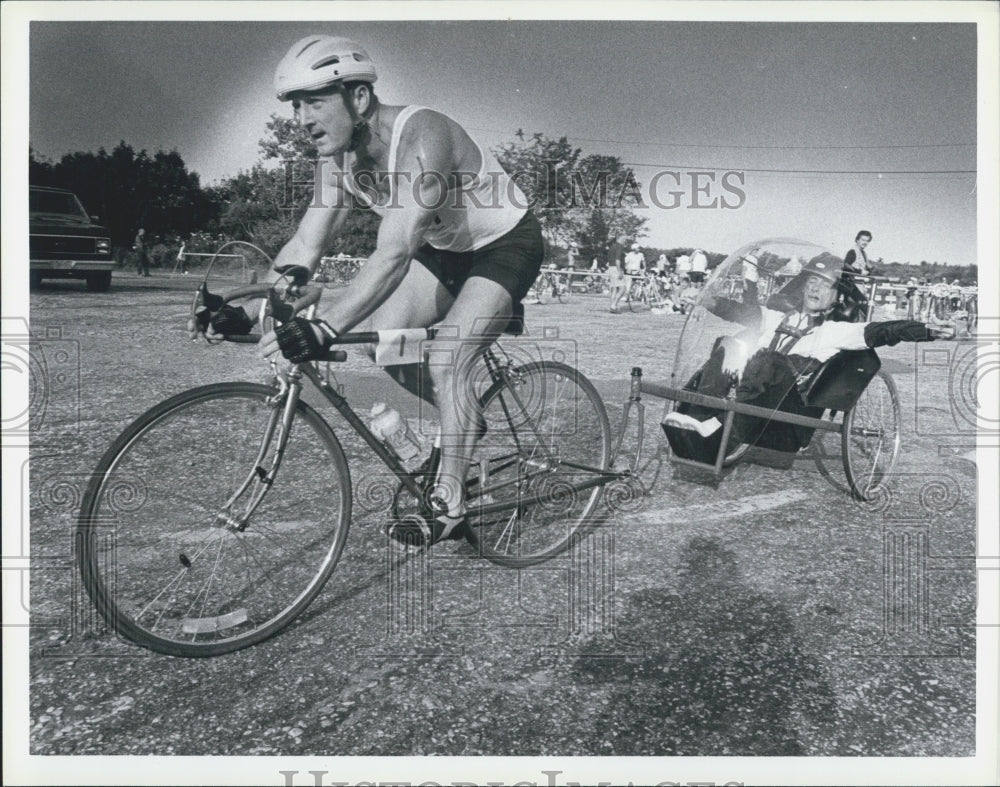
[697,277]
[513,260]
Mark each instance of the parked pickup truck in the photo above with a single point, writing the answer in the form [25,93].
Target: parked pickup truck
[65,241]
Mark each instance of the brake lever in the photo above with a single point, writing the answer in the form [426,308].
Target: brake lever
[305,295]
[279,309]
[299,274]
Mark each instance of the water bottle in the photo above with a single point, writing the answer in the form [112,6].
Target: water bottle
[389,426]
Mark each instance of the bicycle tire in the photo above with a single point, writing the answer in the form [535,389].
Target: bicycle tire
[737,453]
[871,437]
[541,406]
[166,582]
[560,287]
[543,289]
[635,297]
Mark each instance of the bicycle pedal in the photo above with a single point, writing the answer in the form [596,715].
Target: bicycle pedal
[410,534]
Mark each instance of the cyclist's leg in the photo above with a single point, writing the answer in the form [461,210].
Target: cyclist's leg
[421,300]
[478,316]
[497,278]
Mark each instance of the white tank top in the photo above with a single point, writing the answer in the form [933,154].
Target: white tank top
[489,205]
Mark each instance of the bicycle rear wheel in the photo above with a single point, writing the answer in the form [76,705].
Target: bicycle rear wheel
[193,540]
[560,288]
[544,289]
[535,482]
[636,296]
[871,437]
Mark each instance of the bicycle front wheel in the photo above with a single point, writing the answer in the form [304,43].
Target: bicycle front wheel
[200,533]
[544,290]
[871,437]
[535,478]
[635,297]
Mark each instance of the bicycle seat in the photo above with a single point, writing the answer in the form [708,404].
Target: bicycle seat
[838,383]
[515,326]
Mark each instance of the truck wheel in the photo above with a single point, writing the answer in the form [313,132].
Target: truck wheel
[99,281]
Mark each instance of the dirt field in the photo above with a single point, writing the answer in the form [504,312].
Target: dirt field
[768,616]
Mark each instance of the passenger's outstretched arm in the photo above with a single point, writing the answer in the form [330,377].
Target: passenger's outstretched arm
[880,334]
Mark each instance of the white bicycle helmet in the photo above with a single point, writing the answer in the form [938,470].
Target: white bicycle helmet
[318,61]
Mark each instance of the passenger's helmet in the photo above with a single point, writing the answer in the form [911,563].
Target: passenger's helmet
[825,265]
[318,61]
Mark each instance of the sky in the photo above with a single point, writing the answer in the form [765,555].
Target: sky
[886,112]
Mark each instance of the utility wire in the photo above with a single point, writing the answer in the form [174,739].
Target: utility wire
[808,171]
[752,147]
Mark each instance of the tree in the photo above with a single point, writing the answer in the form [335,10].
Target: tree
[540,167]
[564,189]
[129,190]
[594,238]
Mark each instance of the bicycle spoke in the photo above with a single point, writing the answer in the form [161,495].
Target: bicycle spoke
[871,437]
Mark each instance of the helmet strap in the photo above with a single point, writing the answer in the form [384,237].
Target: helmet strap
[361,127]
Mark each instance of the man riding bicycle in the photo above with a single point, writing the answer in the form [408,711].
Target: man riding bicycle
[456,244]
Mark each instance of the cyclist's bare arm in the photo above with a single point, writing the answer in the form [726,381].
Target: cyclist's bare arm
[318,227]
[306,247]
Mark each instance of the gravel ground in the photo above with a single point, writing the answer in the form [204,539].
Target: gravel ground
[758,617]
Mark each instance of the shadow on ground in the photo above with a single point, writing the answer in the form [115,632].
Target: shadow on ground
[724,671]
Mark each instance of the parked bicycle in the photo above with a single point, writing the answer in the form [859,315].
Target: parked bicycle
[550,286]
[647,292]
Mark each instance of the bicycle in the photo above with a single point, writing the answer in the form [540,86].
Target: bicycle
[219,514]
[648,291]
[548,286]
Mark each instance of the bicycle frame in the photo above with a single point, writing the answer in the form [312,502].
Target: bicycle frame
[497,371]
[477,487]
[731,407]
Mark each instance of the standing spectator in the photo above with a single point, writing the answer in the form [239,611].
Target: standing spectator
[923,298]
[911,297]
[900,295]
[616,272]
[182,258]
[595,283]
[635,263]
[940,300]
[856,259]
[660,266]
[139,247]
[971,306]
[699,266]
[571,256]
[683,268]
[955,293]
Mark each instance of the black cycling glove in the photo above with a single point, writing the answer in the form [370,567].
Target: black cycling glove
[208,303]
[298,340]
[879,334]
[231,321]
